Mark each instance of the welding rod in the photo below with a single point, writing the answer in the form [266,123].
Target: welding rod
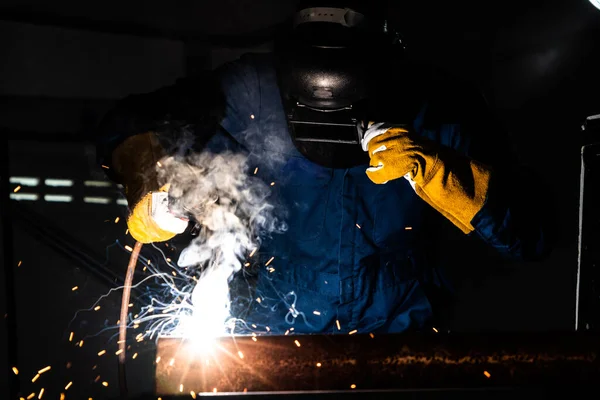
[376,362]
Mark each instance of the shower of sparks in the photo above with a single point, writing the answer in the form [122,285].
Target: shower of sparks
[46,369]
[487,374]
[15,370]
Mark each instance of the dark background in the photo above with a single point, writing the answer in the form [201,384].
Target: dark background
[64,63]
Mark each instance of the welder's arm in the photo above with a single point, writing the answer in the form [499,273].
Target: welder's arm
[473,195]
[141,130]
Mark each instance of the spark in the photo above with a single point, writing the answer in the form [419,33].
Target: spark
[372,335]
[35,378]
[255,170]
[172,362]
[408,228]
[31,396]
[337,323]
[74,288]
[435,330]
[269,262]
[130,305]
[297,343]
[353,386]
[157,359]
[292,328]
[118,352]
[287,332]
[214,390]
[62,396]
[487,374]
[41,393]
[128,248]
[173,272]
[258,300]
[97,379]
[46,369]
[268,329]
[105,384]
[272,183]
[96,308]
[241,355]
[15,190]
[68,364]
[251,116]
[254,338]
[358,226]
[68,385]
[101,353]
[271,270]
[247,264]
[126,232]
[352,332]
[81,343]
[15,370]
[105,167]
[117,220]
[19,264]
[159,164]
[181,387]
[253,251]
[134,356]
[318,365]
[193,394]
[317,312]
[254,326]
[71,336]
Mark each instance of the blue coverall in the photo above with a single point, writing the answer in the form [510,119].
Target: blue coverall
[356,255]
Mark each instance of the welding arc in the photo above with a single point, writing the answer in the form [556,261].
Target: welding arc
[123,321]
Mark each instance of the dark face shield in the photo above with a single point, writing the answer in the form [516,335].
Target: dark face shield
[330,83]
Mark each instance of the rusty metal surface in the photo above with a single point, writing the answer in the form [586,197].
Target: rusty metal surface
[382,362]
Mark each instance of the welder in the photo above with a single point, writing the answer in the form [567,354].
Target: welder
[372,155]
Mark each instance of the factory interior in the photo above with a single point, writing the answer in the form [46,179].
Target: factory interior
[521,327]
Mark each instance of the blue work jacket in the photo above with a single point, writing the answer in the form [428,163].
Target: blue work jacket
[356,255]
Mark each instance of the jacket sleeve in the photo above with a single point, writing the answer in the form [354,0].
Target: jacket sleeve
[515,218]
[192,107]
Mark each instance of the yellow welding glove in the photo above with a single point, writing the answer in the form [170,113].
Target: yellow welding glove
[135,162]
[453,184]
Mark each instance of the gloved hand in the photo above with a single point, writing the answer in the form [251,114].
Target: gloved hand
[453,184]
[135,162]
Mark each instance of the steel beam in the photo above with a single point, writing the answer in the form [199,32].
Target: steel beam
[331,363]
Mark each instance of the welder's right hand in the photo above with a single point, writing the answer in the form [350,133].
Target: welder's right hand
[135,162]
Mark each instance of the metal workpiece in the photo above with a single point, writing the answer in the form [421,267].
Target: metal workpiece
[374,362]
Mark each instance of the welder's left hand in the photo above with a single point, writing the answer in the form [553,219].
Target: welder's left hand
[453,184]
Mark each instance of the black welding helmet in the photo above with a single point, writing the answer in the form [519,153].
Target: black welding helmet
[332,66]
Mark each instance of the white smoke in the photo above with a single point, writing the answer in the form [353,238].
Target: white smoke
[235,212]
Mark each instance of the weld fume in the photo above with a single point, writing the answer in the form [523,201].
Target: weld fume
[234,210]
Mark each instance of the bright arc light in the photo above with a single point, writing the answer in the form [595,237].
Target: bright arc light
[596,3]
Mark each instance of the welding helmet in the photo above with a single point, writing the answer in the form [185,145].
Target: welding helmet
[333,66]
